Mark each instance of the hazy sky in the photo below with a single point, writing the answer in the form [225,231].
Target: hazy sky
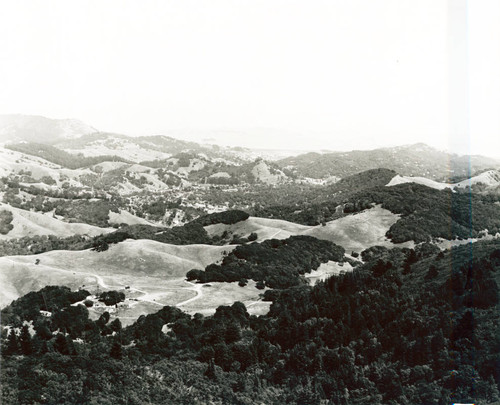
[337,74]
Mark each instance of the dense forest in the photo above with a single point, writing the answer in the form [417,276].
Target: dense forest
[406,327]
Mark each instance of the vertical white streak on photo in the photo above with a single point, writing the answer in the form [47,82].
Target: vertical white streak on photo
[457,75]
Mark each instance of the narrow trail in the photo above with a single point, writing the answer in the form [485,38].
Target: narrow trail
[195,287]
[271,237]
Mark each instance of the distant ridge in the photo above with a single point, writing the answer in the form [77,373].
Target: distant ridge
[34,128]
[408,160]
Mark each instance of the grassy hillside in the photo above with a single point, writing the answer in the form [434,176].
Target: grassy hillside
[354,232]
[144,262]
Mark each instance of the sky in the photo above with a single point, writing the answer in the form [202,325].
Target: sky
[288,74]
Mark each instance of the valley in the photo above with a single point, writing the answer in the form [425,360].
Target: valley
[118,182]
[245,264]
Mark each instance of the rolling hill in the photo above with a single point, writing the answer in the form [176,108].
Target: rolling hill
[29,223]
[353,232]
[146,262]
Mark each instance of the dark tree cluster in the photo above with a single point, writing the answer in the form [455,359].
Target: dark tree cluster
[226,217]
[112,297]
[49,298]
[277,263]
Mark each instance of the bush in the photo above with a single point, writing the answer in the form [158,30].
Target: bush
[100,246]
[48,180]
[6,218]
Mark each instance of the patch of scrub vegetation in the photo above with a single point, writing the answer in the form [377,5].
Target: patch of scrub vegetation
[36,244]
[92,212]
[61,157]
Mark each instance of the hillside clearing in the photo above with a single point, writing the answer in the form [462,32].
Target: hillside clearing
[326,270]
[125,217]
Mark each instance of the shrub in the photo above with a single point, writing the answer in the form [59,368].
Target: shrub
[6,218]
